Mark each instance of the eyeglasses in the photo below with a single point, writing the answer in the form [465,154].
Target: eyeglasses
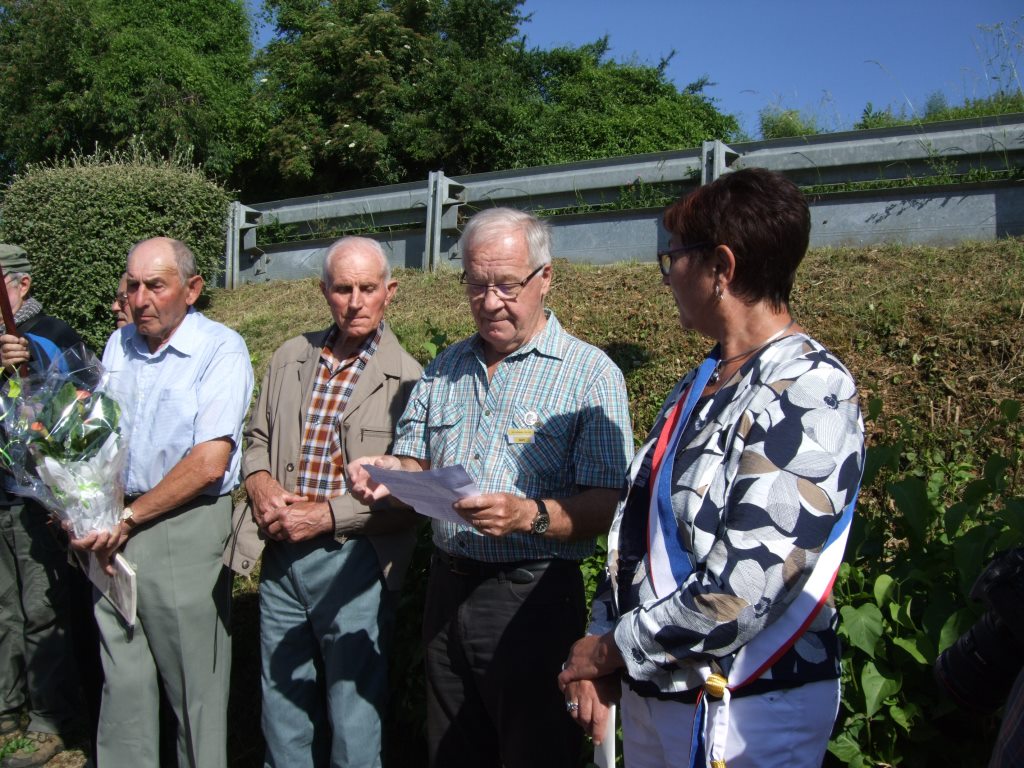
[665,257]
[504,291]
[121,299]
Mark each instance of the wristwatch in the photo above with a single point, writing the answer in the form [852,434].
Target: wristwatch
[128,518]
[541,521]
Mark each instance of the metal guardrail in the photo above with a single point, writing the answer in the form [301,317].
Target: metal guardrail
[418,224]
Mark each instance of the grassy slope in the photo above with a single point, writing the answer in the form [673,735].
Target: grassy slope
[919,327]
[935,333]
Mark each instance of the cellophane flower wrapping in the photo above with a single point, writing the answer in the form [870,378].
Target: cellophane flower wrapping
[64,442]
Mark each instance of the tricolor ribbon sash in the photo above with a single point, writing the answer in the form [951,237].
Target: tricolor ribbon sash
[669,565]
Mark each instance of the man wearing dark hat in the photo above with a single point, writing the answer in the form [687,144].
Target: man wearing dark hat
[36,656]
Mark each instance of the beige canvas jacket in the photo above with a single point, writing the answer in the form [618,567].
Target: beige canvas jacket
[275,430]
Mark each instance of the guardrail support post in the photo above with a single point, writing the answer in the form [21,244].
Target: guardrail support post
[443,203]
[241,237]
[716,158]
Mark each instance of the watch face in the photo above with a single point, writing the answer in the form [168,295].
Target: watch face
[540,525]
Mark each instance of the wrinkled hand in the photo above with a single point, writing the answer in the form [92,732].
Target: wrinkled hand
[362,488]
[595,698]
[266,495]
[498,514]
[590,658]
[13,351]
[299,522]
[104,545]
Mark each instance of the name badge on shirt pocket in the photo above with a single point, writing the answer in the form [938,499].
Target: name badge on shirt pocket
[520,436]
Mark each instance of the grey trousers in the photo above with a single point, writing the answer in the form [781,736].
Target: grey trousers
[35,650]
[181,639]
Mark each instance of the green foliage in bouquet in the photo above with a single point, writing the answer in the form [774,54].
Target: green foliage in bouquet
[73,424]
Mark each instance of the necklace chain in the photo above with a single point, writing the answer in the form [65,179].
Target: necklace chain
[774,337]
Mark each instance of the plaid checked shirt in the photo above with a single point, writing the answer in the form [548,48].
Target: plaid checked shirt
[321,474]
[553,419]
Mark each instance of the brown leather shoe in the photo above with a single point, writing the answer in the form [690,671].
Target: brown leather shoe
[39,750]
[9,723]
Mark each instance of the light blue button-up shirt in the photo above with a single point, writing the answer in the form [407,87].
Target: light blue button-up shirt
[195,388]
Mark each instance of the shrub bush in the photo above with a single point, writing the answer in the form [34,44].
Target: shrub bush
[950,499]
[78,218]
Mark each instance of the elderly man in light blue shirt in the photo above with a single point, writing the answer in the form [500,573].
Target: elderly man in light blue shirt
[184,383]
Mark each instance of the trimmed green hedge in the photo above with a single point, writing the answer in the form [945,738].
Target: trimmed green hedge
[78,219]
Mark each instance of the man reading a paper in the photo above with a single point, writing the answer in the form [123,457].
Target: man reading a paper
[184,383]
[539,420]
[330,567]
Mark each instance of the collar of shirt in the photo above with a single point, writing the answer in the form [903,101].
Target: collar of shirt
[362,355]
[550,342]
[183,341]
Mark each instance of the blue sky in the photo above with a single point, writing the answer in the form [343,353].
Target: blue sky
[827,58]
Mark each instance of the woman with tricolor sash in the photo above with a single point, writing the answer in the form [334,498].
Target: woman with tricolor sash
[716,625]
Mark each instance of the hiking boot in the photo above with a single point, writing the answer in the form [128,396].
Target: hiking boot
[9,723]
[39,750]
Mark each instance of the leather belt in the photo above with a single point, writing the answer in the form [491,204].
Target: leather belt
[518,572]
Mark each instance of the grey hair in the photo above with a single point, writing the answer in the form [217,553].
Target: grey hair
[352,240]
[184,259]
[493,221]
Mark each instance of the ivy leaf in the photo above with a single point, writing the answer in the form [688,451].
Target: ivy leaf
[877,687]
[919,647]
[884,586]
[917,511]
[954,626]
[903,716]
[846,748]
[862,626]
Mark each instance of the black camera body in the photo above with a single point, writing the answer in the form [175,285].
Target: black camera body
[979,669]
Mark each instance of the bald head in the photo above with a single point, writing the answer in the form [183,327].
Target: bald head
[358,287]
[347,246]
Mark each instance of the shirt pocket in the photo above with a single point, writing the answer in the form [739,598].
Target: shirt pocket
[173,424]
[543,461]
[444,435]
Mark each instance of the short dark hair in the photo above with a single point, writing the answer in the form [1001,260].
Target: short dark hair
[764,219]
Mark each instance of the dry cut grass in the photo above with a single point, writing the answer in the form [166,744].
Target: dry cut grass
[933,332]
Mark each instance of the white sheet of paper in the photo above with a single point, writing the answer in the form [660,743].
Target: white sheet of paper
[604,754]
[431,492]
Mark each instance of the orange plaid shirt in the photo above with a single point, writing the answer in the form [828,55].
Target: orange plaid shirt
[321,474]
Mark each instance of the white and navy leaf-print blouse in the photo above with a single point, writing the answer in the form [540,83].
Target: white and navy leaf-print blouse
[762,473]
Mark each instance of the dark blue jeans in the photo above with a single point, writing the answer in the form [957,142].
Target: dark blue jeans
[495,643]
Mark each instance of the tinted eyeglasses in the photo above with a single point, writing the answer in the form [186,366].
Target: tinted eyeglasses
[504,291]
[666,257]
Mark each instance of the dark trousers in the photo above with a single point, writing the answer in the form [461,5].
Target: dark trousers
[495,639]
[36,653]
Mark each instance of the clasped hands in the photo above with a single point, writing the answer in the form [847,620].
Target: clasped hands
[492,514]
[285,516]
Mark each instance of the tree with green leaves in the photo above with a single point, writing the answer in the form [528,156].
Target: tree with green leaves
[362,92]
[79,73]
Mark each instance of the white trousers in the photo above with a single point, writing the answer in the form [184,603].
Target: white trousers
[788,728]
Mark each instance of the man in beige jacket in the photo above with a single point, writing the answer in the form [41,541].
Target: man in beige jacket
[330,566]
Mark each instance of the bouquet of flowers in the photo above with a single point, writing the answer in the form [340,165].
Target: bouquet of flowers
[64,443]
